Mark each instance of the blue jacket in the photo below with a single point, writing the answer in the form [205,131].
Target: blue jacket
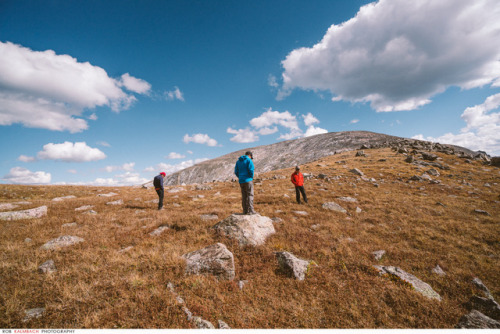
[244,169]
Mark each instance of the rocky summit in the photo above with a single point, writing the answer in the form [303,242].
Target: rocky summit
[300,151]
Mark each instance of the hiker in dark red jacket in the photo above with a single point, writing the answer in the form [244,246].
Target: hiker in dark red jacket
[298,181]
[158,184]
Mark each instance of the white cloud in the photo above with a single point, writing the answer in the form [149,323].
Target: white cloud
[175,94]
[200,138]
[354,121]
[271,117]
[397,54]
[93,117]
[309,119]
[20,175]
[312,131]
[482,131]
[174,155]
[243,135]
[271,81]
[294,133]
[103,143]
[41,89]
[134,84]
[126,167]
[70,152]
[25,158]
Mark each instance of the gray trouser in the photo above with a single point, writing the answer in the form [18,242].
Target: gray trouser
[247,197]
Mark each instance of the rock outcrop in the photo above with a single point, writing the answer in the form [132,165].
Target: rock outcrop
[246,229]
[24,214]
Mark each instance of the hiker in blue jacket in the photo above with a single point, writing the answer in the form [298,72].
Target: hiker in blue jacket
[244,171]
[158,184]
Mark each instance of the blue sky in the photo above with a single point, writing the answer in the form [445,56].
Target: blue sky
[113,92]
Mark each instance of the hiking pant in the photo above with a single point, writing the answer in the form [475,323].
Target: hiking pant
[298,191]
[247,197]
[160,198]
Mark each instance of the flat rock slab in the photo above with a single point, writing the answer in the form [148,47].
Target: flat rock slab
[24,214]
[64,241]
[159,230]
[59,199]
[33,313]
[118,202]
[215,260]
[7,206]
[107,195]
[209,217]
[357,172]
[247,229]
[301,213]
[347,199]
[333,207]
[85,207]
[419,286]
[292,265]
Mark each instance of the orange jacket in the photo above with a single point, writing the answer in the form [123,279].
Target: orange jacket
[298,179]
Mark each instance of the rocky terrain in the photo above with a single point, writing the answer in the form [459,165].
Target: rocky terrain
[300,151]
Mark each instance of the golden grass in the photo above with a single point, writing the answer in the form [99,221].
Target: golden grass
[96,286]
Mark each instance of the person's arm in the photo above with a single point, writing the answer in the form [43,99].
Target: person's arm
[251,168]
[236,172]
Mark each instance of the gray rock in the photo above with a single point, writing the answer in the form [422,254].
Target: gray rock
[24,214]
[487,306]
[356,172]
[69,225]
[47,267]
[223,325]
[7,206]
[209,217]
[203,187]
[293,266]
[90,212]
[241,284]
[429,156]
[84,207]
[64,241]
[477,320]
[246,229]
[438,271]
[347,199]
[202,323]
[333,207]
[480,285]
[419,286]
[358,210]
[59,199]
[433,172]
[107,195]
[378,254]
[215,260]
[118,202]
[159,230]
[301,213]
[33,313]
[482,212]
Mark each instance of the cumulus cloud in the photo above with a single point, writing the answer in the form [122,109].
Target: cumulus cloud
[309,119]
[135,84]
[270,118]
[175,94]
[354,121]
[313,130]
[200,138]
[70,152]
[129,166]
[243,135]
[397,54]
[174,155]
[25,158]
[482,130]
[41,89]
[20,175]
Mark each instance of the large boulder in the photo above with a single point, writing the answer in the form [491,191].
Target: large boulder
[333,207]
[292,265]
[419,286]
[24,214]
[477,320]
[246,229]
[215,260]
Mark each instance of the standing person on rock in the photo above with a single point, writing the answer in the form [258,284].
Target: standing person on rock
[158,184]
[298,181]
[244,169]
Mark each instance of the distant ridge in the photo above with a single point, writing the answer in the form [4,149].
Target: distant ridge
[290,153]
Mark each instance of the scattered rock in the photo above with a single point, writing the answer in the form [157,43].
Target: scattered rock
[277,220]
[487,306]
[85,207]
[126,249]
[438,271]
[7,206]
[334,207]
[159,230]
[476,319]
[358,210]
[47,267]
[419,286]
[482,212]
[247,229]
[24,214]
[90,212]
[69,225]
[175,190]
[209,217]
[357,172]
[378,254]
[118,202]
[107,195]
[293,266]
[241,284]
[203,187]
[223,325]
[64,241]
[429,156]
[480,285]
[59,199]
[347,199]
[33,313]
[433,172]
[301,213]
[202,323]
[215,260]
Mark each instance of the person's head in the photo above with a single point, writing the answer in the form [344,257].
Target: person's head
[297,169]
[163,173]
[249,154]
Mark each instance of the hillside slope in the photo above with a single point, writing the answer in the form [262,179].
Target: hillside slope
[294,152]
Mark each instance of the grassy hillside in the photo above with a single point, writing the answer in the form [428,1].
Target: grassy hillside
[418,224]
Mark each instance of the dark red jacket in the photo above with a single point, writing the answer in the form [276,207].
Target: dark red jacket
[298,179]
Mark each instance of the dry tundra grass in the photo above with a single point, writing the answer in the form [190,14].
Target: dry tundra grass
[96,286]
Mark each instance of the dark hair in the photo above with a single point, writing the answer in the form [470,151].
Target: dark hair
[249,153]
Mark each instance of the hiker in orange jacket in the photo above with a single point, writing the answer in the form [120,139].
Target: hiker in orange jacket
[298,181]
